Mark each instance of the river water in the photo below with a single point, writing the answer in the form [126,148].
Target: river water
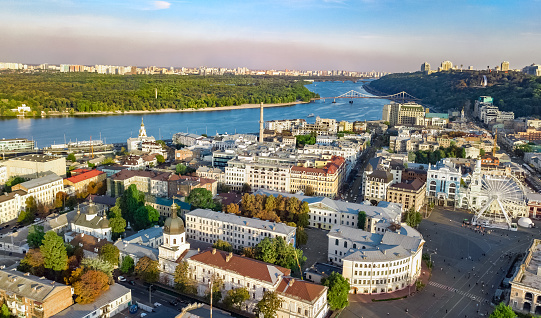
[118,128]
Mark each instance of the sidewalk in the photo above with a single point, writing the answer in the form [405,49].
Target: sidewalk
[367,298]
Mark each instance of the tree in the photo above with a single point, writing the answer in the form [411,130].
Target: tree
[232,208]
[183,279]
[12,182]
[109,253]
[60,200]
[35,236]
[43,210]
[413,218]
[266,251]
[29,213]
[127,265]
[236,297]
[71,157]
[181,169]
[309,191]
[201,198]
[118,226]
[90,286]
[502,311]
[223,188]
[481,152]
[302,236]
[32,262]
[4,311]
[337,294]
[268,305]
[361,220]
[215,288]
[54,252]
[145,217]
[223,245]
[160,159]
[246,188]
[147,269]
[98,264]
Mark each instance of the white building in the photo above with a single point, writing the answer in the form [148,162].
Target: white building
[211,173]
[91,221]
[11,204]
[152,237]
[257,175]
[136,143]
[209,226]
[376,183]
[3,174]
[325,213]
[299,298]
[174,243]
[43,189]
[376,263]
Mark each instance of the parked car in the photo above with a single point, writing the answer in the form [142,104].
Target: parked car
[121,279]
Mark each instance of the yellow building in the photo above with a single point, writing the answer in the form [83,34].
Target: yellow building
[324,181]
[411,194]
[81,181]
[403,114]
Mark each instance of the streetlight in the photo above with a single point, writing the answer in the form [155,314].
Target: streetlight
[150,294]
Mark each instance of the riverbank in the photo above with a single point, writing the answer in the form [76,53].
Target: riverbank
[166,110]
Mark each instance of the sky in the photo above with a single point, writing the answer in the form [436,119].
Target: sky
[357,35]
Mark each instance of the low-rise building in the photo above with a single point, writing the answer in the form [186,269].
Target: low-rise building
[411,195]
[80,182]
[148,182]
[11,204]
[16,145]
[152,237]
[30,296]
[534,205]
[35,165]
[525,293]
[209,226]
[443,182]
[211,173]
[108,304]
[90,244]
[164,205]
[375,184]
[90,220]
[376,263]
[184,154]
[183,185]
[43,189]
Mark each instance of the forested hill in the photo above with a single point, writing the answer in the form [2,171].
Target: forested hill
[513,91]
[88,92]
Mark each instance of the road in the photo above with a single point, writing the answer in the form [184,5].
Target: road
[460,286]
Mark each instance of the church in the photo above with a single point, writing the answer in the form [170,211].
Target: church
[136,143]
[92,221]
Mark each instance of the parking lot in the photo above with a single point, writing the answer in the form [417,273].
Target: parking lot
[468,268]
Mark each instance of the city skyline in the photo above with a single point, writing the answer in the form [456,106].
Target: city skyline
[359,35]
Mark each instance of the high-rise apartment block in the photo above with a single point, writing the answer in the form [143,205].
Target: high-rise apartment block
[403,114]
[505,66]
[425,67]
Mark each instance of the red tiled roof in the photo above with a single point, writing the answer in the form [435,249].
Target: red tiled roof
[85,176]
[241,265]
[300,289]
[330,168]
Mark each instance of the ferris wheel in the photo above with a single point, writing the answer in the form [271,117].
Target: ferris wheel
[499,199]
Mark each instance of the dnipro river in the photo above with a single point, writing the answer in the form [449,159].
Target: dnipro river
[118,128]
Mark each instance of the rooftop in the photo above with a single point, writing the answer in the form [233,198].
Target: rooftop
[378,247]
[88,242]
[243,221]
[34,183]
[114,292]
[414,185]
[530,271]
[241,265]
[144,236]
[10,196]
[137,250]
[36,158]
[31,287]
[84,176]
[300,289]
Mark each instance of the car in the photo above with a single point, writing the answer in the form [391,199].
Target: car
[157,304]
[131,282]
[121,279]
[173,302]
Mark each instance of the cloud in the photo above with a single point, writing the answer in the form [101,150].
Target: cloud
[160,5]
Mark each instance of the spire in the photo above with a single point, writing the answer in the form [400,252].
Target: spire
[142,124]
[174,210]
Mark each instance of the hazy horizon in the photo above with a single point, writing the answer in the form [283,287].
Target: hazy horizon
[361,35]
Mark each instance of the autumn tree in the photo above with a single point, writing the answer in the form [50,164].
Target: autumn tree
[109,253]
[98,264]
[54,252]
[268,305]
[35,236]
[29,213]
[309,191]
[184,281]
[33,262]
[236,297]
[147,269]
[60,199]
[127,265]
[90,286]
[215,287]
[232,208]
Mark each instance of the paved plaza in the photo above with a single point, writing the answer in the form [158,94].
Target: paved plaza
[468,268]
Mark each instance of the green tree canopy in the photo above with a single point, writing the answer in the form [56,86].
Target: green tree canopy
[277,251]
[361,220]
[338,292]
[236,297]
[413,218]
[502,311]
[145,217]
[109,253]
[127,265]
[35,236]
[160,159]
[201,198]
[183,278]
[12,182]
[71,157]
[223,245]
[98,264]
[268,305]
[54,252]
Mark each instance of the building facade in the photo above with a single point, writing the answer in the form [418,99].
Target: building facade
[80,182]
[443,182]
[324,181]
[36,165]
[525,293]
[411,195]
[209,226]
[376,263]
[43,189]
